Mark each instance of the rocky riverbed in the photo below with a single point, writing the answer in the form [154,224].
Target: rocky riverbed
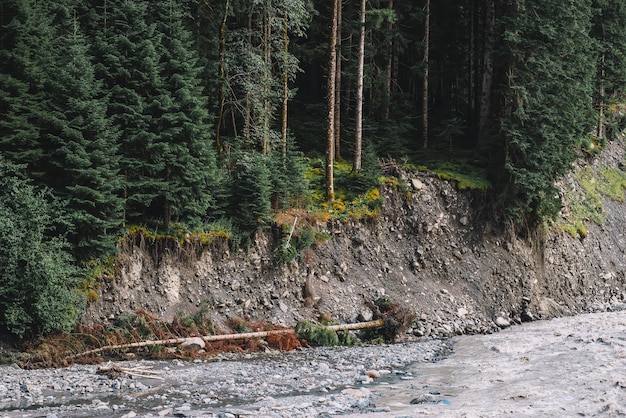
[304,383]
[572,366]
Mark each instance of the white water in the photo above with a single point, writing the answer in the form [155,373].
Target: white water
[565,367]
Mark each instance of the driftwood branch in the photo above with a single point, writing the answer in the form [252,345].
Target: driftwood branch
[293,228]
[226,337]
[114,371]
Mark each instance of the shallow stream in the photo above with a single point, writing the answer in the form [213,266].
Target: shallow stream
[574,366]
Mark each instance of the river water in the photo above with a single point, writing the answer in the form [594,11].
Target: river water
[565,367]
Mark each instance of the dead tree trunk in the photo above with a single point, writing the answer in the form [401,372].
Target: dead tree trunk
[485,97]
[426,60]
[358,140]
[330,137]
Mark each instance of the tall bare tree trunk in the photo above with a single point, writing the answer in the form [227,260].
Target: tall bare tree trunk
[471,68]
[267,48]
[330,138]
[358,140]
[426,60]
[389,66]
[247,124]
[285,85]
[601,132]
[485,97]
[220,111]
[338,85]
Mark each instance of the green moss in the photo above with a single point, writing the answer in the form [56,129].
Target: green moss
[465,176]
[612,184]
[582,206]
[181,234]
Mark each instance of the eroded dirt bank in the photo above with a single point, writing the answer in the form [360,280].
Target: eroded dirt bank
[430,250]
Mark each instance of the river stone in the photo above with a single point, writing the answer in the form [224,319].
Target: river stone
[164,412]
[365,315]
[502,322]
[192,344]
[356,393]
[417,184]
[238,412]
[423,398]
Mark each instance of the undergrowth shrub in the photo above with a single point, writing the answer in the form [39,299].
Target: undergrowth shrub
[38,280]
[316,334]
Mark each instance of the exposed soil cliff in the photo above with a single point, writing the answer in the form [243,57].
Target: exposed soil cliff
[429,250]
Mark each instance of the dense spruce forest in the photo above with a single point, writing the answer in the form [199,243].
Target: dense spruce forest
[213,115]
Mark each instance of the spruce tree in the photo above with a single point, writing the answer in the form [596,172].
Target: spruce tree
[251,189]
[85,155]
[548,101]
[608,30]
[28,41]
[126,45]
[181,122]
[56,124]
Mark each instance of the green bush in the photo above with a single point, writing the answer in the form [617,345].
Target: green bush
[38,282]
[315,334]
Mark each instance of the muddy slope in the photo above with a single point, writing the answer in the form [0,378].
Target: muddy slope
[429,250]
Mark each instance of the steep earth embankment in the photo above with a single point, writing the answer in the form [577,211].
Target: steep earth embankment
[429,250]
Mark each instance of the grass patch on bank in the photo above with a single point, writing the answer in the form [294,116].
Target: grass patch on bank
[585,204]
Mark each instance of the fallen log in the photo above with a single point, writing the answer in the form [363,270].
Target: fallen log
[225,337]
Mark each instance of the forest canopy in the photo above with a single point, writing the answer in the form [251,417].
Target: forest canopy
[183,113]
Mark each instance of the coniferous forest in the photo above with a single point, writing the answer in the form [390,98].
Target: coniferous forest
[204,115]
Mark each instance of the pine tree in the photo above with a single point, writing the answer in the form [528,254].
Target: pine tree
[608,30]
[251,190]
[181,122]
[28,40]
[547,112]
[85,157]
[126,45]
[58,127]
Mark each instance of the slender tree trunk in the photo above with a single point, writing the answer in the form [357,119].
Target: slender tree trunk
[332,70]
[388,69]
[338,85]
[471,68]
[267,48]
[247,124]
[426,62]
[220,111]
[485,97]
[601,132]
[349,87]
[285,85]
[358,140]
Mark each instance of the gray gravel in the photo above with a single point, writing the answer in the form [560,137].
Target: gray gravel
[316,382]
